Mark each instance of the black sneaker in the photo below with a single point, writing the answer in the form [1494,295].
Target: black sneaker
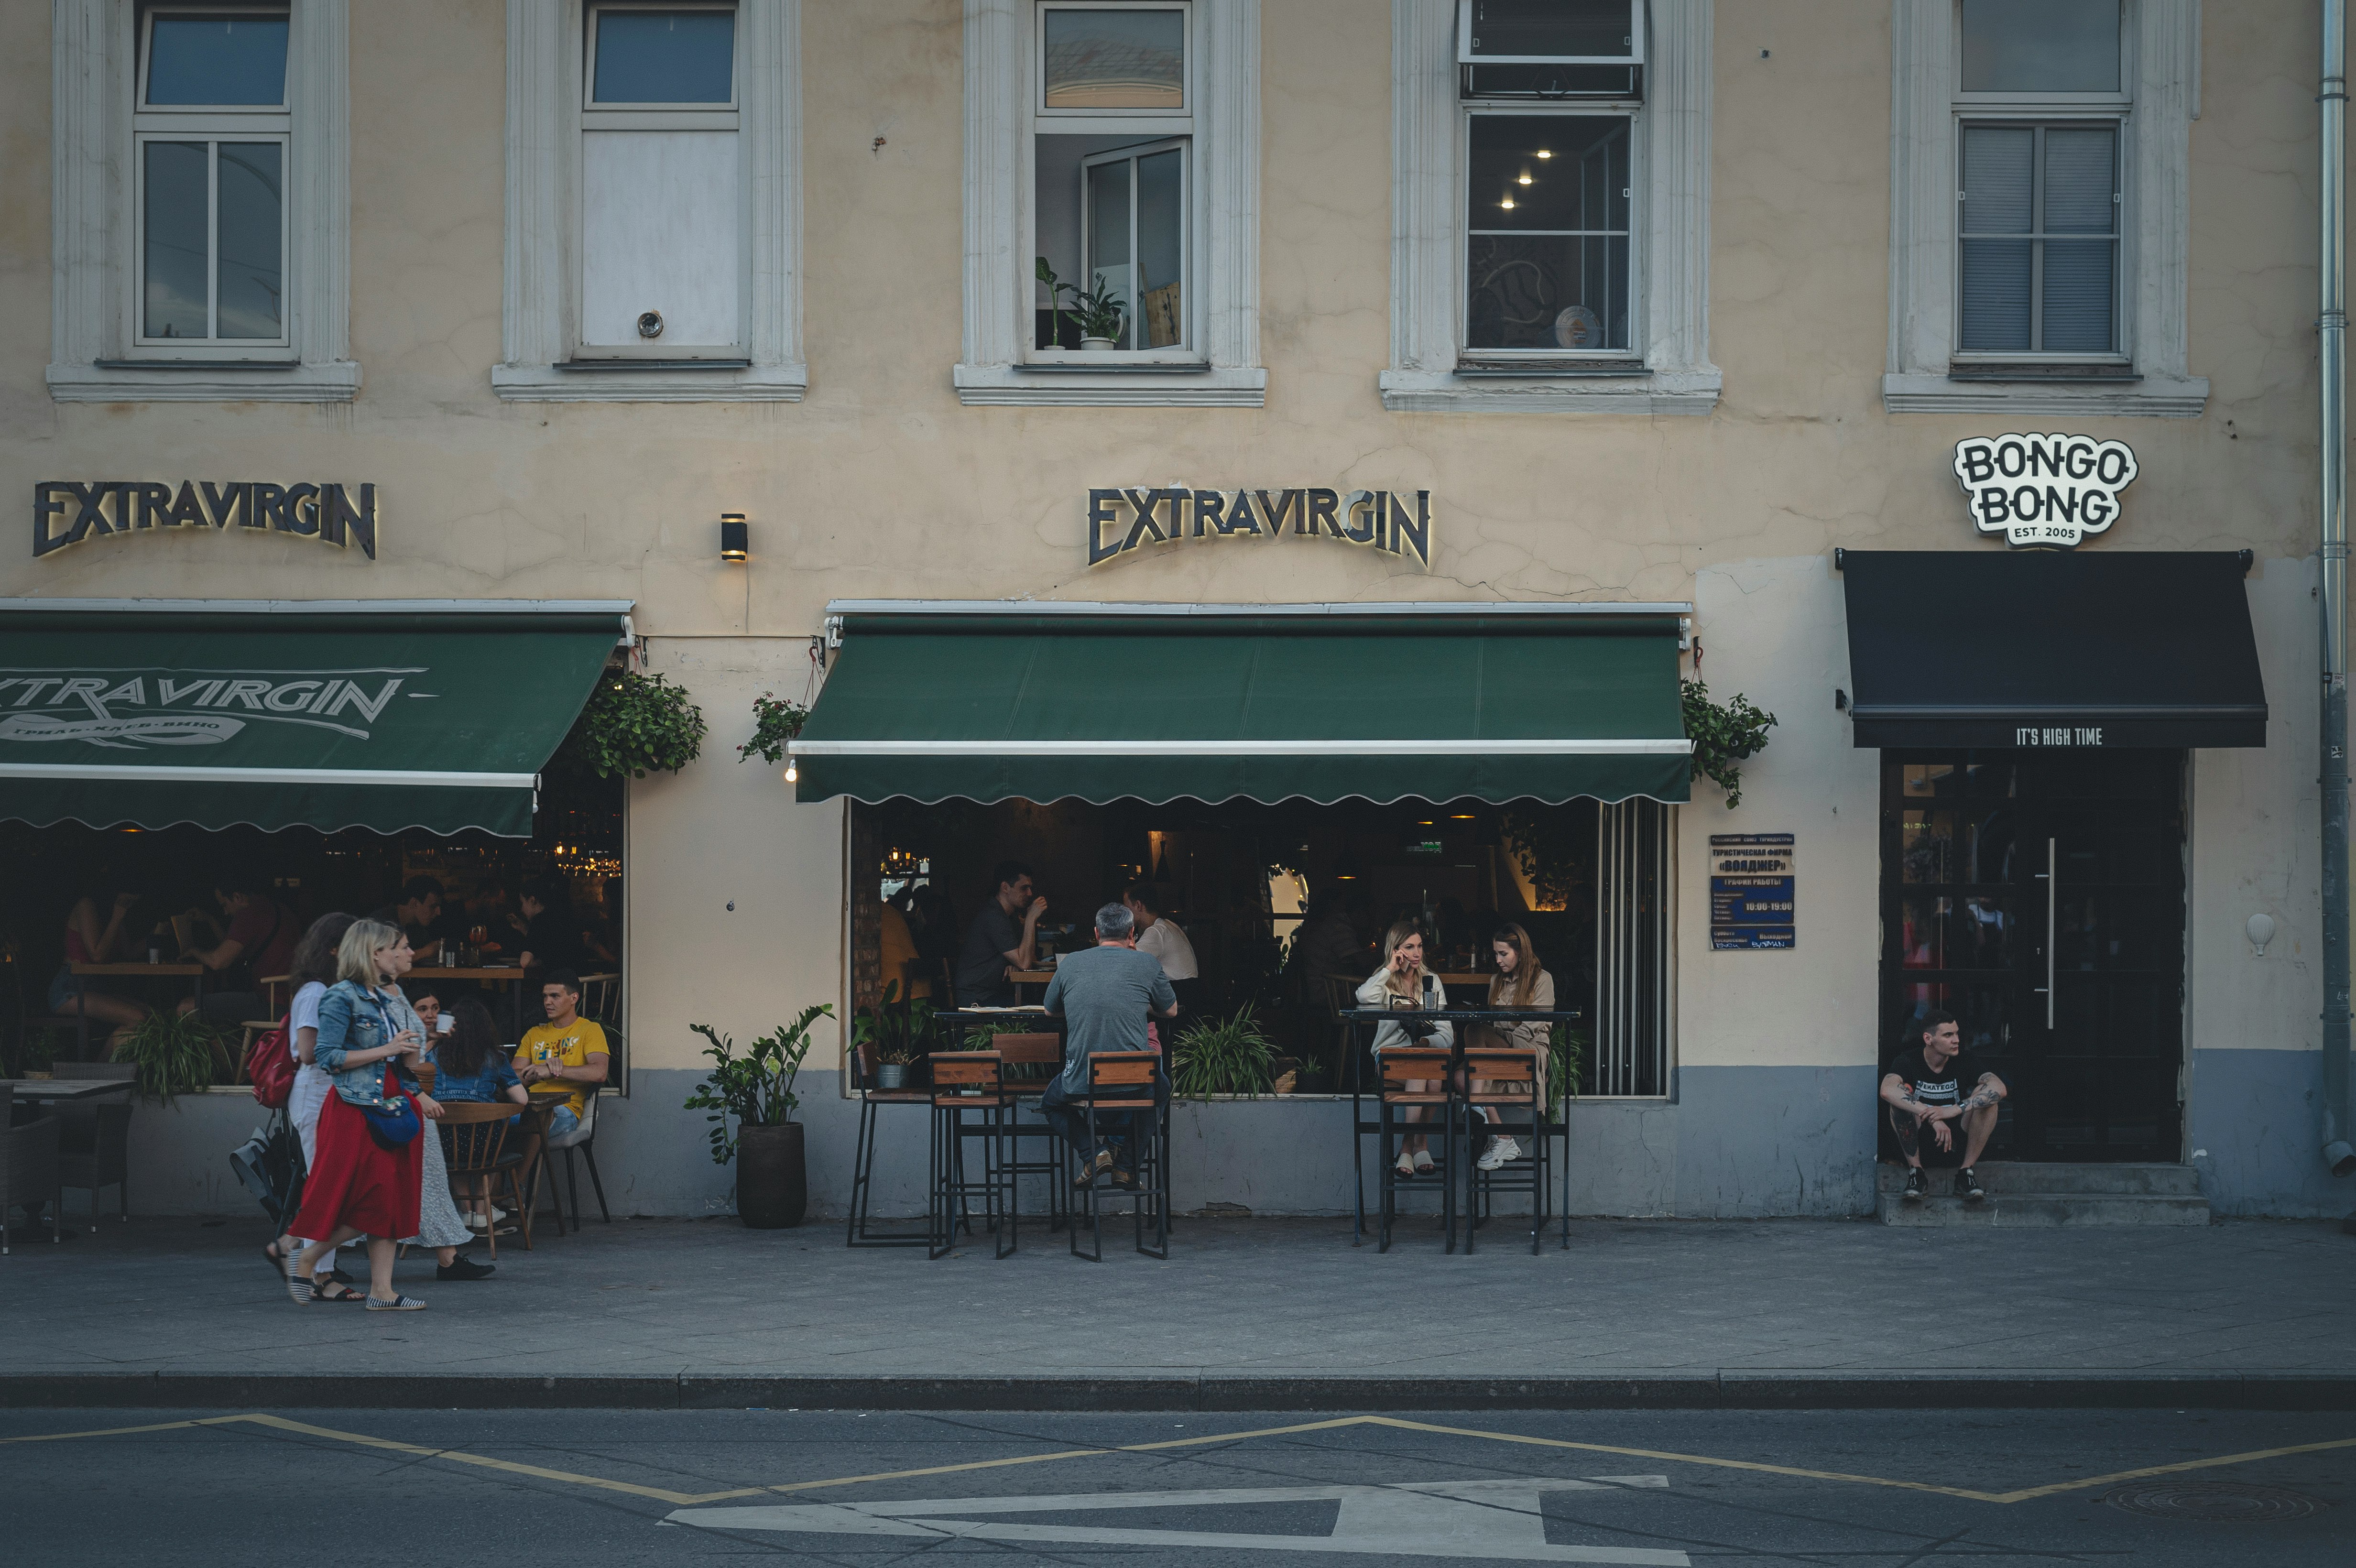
[1967,1186]
[1916,1187]
[464,1268]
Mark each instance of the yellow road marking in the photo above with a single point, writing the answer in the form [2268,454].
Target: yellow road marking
[686,1499]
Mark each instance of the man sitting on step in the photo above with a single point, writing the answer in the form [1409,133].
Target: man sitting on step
[1933,1086]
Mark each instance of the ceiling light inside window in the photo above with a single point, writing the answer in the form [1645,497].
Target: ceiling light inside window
[1508,203]
[1525,179]
[1544,154]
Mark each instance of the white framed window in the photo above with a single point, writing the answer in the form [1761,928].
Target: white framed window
[661,185]
[654,207]
[1111,129]
[202,236]
[209,146]
[1551,239]
[1112,202]
[2038,207]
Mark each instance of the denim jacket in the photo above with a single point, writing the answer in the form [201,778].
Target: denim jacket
[352,1020]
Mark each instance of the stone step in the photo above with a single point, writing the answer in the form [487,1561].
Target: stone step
[2043,1211]
[2052,1179]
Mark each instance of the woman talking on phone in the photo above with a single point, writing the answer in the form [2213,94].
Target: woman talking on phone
[1403,983]
[370,1172]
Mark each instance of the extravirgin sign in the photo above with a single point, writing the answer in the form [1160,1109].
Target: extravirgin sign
[2048,491]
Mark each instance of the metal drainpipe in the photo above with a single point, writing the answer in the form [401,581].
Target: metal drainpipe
[2332,334]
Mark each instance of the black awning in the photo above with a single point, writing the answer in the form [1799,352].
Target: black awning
[2040,649]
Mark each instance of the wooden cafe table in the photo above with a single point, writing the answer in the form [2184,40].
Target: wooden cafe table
[194,972]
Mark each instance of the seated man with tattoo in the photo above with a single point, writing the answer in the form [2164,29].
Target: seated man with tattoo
[1934,1089]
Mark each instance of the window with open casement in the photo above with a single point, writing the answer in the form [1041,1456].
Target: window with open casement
[1112,132]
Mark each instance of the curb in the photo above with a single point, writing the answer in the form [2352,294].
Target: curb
[1734,1390]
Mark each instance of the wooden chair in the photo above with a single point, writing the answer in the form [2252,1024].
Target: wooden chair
[475,1139]
[861,1232]
[29,1167]
[1399,1069]
[968,1083]
[1504,1082]
[600,995]
[94,1138]
[1032,1060]
[1132,1081]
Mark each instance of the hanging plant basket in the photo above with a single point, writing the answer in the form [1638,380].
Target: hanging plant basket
[634,724]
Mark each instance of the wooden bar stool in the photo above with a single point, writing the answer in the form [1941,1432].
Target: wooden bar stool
[861,1232]
[1032,1060]
[1505,1083]
[1130,1081]
[1399,1068]
[967,1083]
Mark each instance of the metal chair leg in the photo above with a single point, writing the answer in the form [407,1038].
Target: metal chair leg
[589,1157]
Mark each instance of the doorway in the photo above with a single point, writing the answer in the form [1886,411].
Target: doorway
[2038,897]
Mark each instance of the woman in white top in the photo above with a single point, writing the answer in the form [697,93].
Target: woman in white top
[1403,982]
[310,972]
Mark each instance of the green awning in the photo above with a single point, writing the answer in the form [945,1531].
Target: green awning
[377,714]
[996,701]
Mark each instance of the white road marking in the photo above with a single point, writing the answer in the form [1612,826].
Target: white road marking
[1500,1520]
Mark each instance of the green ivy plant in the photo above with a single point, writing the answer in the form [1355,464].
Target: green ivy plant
[756,1088]
[1723,737]
[634,724]
[775,721]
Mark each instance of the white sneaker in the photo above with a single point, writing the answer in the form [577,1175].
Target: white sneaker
[1495,1154]
[1508,1149]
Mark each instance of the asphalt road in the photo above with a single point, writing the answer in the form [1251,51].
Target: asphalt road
[577,1488]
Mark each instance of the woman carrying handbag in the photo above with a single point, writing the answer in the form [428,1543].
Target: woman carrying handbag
[368,1175]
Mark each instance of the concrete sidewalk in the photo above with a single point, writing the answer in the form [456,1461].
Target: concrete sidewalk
[1251,1314]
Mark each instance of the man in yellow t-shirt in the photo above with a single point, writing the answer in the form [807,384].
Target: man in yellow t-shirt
[568,1049]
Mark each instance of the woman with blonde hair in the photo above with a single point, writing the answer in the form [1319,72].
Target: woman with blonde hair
[1520,983]
[370,1172]
[1403,983]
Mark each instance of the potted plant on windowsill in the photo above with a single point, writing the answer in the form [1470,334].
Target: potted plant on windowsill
[757,1090]
[1100,313]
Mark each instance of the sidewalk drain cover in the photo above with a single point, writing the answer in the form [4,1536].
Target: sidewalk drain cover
[2212,1502]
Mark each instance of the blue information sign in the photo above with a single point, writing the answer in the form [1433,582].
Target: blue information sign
[1752,902]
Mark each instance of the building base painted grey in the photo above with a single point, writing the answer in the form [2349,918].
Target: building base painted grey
[2252,1124]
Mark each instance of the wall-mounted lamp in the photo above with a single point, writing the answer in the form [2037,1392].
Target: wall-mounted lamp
[735,537]
[2262,931]
[793,773]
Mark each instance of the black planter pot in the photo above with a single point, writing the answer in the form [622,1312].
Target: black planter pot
[771,1181]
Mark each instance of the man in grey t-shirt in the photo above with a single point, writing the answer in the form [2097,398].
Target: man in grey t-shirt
[1104,996]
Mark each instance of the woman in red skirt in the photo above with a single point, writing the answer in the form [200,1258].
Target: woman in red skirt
[366,1183]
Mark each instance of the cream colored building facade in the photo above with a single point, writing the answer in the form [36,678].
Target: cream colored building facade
[885,438]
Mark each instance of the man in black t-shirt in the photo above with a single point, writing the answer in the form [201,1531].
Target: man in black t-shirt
[1933,1086]
[1005,935]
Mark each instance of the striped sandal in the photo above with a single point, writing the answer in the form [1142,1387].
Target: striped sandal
[298,1284]
[397,1303]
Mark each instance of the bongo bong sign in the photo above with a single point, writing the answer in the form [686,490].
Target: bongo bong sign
[2043,492]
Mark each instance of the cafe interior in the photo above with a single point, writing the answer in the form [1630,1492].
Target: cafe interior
[1241,878]
[575,845]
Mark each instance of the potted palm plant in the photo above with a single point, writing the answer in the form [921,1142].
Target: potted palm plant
[757,1089]
[1224,1056]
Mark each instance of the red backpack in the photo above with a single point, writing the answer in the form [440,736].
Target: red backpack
[270,1066]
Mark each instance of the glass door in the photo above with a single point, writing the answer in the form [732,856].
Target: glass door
[2039,898]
